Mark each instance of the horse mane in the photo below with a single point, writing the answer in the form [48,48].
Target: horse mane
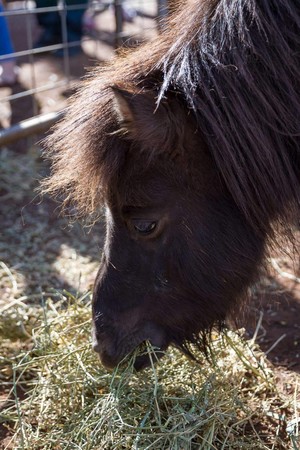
[235,64]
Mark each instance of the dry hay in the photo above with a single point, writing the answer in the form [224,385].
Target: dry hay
[70,402]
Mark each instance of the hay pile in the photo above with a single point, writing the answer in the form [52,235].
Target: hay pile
[61,398]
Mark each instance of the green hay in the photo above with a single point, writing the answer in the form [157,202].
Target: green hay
[61,398]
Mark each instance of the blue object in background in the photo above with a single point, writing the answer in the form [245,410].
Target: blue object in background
[6,47]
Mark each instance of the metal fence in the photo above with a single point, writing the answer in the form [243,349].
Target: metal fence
[48,73]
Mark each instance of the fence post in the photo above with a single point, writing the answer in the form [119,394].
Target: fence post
[119,22]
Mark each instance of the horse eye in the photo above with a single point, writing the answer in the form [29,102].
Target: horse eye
[144,226]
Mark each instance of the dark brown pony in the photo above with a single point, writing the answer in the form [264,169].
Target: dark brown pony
[191,142]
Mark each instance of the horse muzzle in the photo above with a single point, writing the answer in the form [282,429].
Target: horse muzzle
[113,348]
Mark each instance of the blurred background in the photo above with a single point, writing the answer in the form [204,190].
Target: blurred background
[46,47]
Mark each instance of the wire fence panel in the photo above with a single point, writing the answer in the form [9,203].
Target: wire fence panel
[53,42]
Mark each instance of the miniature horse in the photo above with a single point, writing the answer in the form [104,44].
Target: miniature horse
[191,144]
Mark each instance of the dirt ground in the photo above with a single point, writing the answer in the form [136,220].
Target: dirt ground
[44,253]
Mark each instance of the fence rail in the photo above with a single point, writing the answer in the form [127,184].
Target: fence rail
[107,24]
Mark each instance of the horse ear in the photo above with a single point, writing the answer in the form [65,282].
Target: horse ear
[124,105]
[140,117]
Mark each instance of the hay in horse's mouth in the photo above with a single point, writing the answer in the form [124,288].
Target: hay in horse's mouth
[146,355]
